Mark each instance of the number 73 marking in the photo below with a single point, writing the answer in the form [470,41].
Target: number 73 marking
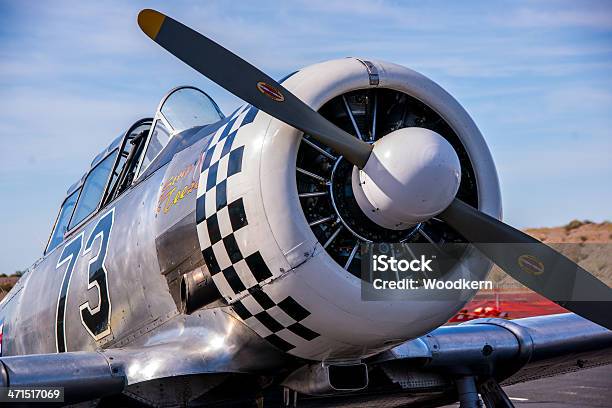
[95,319]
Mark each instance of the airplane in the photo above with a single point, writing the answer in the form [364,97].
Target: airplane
[211,260]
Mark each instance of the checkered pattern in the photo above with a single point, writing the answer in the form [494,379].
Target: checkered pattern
[218,221]
[279,323]
[237,274]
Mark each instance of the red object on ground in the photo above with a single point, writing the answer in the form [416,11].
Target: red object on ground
[507,304]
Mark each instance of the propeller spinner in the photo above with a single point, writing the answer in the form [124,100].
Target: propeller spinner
[412,175]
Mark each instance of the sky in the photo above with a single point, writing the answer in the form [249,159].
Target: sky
[534,75]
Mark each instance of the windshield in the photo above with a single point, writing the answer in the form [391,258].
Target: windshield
[181,109]
[189,107]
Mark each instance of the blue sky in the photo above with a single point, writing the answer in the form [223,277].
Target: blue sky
[534,75]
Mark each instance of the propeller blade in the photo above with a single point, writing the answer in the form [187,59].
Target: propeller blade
[248,83]
[532,263]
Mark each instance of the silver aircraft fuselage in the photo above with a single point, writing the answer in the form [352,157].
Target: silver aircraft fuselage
[149,240]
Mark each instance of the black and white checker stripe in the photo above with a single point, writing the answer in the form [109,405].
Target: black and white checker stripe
[232,270]
[279,323]
[237,274]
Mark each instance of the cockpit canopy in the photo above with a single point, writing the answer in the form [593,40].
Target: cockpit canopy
[126,159]
[181,109]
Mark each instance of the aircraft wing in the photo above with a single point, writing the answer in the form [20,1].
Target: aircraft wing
[517,350]
[495,352]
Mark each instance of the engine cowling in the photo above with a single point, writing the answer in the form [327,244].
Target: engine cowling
[283,248]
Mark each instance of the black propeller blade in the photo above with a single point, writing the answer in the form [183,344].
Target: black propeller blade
[534,264]
[248,83]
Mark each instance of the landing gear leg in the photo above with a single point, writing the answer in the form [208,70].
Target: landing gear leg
[468,394]
[289,396]
[493,395]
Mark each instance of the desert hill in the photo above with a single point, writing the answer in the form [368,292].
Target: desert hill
[587,243]
[6,284]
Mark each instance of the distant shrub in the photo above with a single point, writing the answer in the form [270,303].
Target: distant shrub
[573,225]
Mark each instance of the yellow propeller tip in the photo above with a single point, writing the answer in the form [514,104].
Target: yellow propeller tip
[150,22]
